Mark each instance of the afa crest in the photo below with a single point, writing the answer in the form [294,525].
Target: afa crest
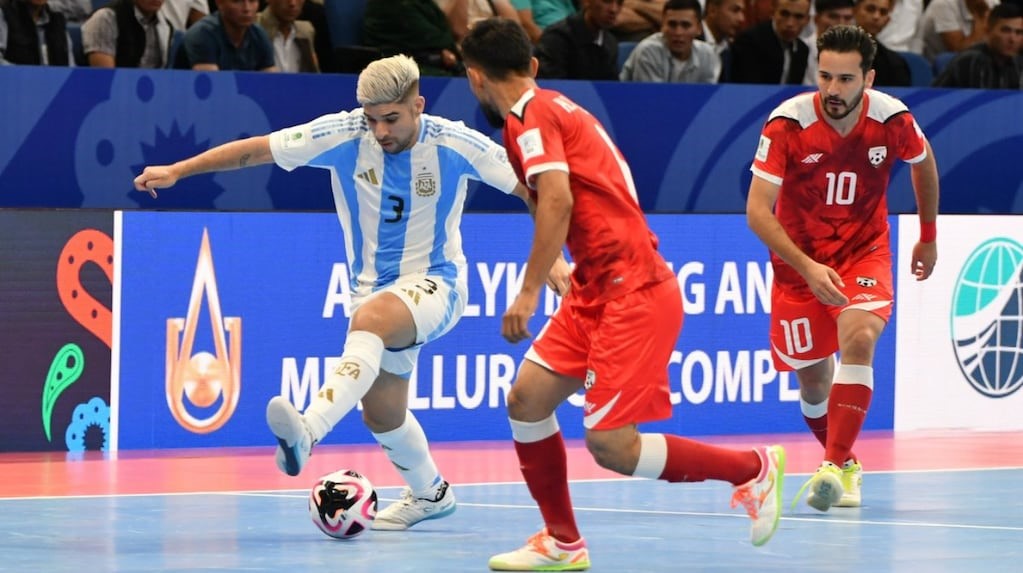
[426,185]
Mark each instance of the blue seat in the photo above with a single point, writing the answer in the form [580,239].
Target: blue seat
[74,31]
[920,71]
[624,49]
[177,41]
[344,19]
[941,61]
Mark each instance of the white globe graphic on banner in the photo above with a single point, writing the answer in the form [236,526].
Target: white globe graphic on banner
[987,318]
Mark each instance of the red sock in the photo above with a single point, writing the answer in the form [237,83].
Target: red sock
[689,461]
[819,427]
[544,465]
[847,408]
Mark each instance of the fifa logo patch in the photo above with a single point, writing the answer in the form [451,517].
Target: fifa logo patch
[877,155]
[591,379]
[866,282]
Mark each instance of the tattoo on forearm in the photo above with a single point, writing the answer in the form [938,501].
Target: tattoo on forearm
[244,161]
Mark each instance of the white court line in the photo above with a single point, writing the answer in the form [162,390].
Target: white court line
[293,492]
[301,494]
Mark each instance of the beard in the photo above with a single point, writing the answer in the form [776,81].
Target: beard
[849,106]
[494,117]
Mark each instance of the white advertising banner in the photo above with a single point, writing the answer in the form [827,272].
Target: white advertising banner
[959,348]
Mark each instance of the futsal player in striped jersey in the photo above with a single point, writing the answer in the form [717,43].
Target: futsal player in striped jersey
[399,180]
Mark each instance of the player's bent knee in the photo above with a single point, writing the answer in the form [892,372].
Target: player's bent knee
[609,453]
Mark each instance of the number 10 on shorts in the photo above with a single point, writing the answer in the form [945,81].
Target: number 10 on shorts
[798,338]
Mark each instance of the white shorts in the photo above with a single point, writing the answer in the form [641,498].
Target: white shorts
[436,306]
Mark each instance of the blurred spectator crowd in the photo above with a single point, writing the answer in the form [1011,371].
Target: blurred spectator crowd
[944,43]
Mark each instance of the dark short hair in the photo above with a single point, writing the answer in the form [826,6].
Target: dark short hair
[693,5]
[845,39]
[499,47]
[1004,11]
[821,6]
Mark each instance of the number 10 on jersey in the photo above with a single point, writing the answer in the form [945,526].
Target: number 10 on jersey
[841,188]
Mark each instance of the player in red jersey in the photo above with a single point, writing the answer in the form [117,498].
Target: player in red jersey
[823,166]
[617,326]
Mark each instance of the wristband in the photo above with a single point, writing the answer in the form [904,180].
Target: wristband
[928,232]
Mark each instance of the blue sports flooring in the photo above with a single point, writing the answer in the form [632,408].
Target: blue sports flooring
[919,521]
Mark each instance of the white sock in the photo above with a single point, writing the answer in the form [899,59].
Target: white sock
[653,456]
[407,449]
[347,384]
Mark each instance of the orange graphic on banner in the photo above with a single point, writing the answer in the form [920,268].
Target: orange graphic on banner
[202,377]
[86,246]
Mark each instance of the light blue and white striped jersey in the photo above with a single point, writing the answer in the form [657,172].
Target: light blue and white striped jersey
[400,212]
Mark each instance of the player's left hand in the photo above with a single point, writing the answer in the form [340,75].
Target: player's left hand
[515,324]
[925,255]
[560,277]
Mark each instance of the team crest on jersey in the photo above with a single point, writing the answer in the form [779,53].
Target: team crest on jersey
[591,379]
[426,185]
[877,155]
[866,282]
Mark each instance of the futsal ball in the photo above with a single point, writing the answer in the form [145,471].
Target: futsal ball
[343,504]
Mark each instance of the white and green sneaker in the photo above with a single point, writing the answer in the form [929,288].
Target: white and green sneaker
[825,487]
[762,495]
[542,552]
[852,482]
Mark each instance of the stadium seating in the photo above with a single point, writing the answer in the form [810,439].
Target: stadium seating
[624,49]
[920,71]
[175,50]
[941,62]
[74,31]
[344,18]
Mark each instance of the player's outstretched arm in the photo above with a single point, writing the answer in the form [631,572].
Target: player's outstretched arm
[823,280]
[232,155]
[926,187]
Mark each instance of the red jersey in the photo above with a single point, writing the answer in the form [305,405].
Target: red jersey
[832,201]
[614,250]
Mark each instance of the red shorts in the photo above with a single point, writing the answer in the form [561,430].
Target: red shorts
[804,330]
[620,349]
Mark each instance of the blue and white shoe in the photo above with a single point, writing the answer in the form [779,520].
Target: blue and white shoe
[295,442]
[410,510]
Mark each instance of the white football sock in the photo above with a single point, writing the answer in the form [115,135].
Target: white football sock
[408,450]
[347,384]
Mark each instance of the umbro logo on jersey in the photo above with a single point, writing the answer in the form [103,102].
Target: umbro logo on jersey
[864,296]
[813,158]
[369,177]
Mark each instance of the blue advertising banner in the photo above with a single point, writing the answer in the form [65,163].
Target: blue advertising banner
[690,146]
[221,311]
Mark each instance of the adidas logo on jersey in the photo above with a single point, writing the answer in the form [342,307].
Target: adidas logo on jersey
[369,177]
[813,158]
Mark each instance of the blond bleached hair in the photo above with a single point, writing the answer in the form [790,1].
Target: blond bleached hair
[390,80]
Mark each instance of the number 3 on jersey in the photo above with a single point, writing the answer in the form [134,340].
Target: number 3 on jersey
[841,188]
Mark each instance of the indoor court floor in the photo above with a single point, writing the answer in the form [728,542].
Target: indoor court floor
[933,502]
